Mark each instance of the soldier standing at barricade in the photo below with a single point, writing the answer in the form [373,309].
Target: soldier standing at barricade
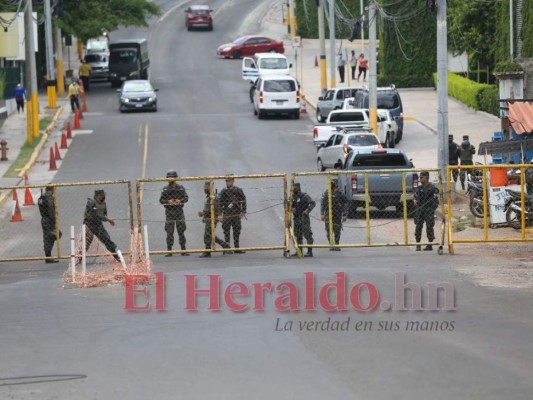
[339,207]
[48,222]
[426,202]
[173,197]
[466,151]
[232,202]
[206,219]
[453,156]
[95,215]
[302,205]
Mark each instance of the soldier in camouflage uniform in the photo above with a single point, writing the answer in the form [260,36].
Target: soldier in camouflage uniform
[302,205]
[232,202]
[95,215]
[465,152]
[173,197]
[339,207]
[426,202]
[48,222]
[206,219]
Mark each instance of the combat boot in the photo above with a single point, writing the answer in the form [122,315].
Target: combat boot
[50,260]
[309,252]
[428,248]
[169,254]
[205,254]
[184,254]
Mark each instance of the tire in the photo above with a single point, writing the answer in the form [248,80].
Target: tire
[319,165]
[319,117]
[476,206]
[255,111]
[338,165]
[391,143]
[352,209]
[260,114]
[188,28]
[400,135]
[237,55]
[513,218]
[252,90]
[297,114]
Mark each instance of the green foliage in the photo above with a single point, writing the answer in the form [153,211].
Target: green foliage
[89,18]
[479,96]
[501,38]
[527,29]
[487,99]
[508,66]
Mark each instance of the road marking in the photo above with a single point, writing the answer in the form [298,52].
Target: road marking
[409,118]
[82,132]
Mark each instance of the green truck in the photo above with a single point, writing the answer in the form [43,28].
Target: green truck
[128,59]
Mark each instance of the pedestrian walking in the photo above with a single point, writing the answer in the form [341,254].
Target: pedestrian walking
[232,202]
[363,66]
[339,208]
[302,205]
[353,64]
[94,218]
[19,93]
[426,200]
[47,210]
[173,197]
[85,73]
[466,152]
[74,91]
[341,63]
[206,215]
[453,156]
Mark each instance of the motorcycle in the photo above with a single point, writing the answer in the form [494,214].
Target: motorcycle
[474,191]
[514,209]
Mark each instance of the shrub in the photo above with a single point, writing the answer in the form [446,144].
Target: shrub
[488,100]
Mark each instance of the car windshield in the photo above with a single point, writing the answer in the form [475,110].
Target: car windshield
[388,100]
[273,63]
[200,12]
[123,56]
[363,140]
[95,58]
[137,87]
[279,86]
[240,40]
[379,160]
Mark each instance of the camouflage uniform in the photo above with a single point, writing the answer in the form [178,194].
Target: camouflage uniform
[232,203]
[95,215]
[465,152]
[48,221]
[427,202]
[339,206]
[174,216]
[302,205]
[206,219]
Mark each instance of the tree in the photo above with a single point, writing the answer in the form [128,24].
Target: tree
[89,18]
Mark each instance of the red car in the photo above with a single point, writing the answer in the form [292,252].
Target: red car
[199,17]
[249,45]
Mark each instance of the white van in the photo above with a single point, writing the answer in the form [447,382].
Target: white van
[276,94]
[264,64]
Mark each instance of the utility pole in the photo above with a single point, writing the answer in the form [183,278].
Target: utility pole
[59,61]
[292,18]
[49,44]
[362,28]
[442,89]
[332,73]
[372,67]
[322,43]
[32,120]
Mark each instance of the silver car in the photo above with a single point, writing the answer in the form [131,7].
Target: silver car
[335,151]
[137,95]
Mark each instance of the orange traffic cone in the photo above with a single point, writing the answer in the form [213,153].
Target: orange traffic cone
[16,215]
[57,154]
[64,144]
[303,106]
[28,195]
[316,61]
[84,107]
[69,131]
[53,166]
[77,124]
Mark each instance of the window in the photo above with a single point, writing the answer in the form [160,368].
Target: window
[123,56]
[338,140]
[379,160]
[330,141]
[329,95]
[363,140]
[279,86]
[348,117]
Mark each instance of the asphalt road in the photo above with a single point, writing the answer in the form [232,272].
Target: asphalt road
[81,344]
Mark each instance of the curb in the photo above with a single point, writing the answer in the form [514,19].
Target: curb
[35,153]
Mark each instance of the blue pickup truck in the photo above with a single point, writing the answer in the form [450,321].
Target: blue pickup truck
[385,187]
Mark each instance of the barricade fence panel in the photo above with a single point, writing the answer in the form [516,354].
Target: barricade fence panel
[378,206]
[178,213]
[65,204]
[490,206]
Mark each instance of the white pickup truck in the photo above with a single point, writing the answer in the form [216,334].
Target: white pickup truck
[347,118]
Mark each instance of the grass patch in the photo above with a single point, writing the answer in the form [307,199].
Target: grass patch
[26,151]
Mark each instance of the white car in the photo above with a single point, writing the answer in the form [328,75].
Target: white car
[387,126]
[334,152]
[276,94]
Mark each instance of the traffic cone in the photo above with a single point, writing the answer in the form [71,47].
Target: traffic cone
[53,166]
[57,154]
[64,144]
[303,106]
[316,61]
[69,131]
[28,195]
[16,215]
[77,124]
[84,107]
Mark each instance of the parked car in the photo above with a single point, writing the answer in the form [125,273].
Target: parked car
[249,45]
[99,63]
[389,99]
[333,99]
[199,16]
[137,95]
[276,94]
[339,145]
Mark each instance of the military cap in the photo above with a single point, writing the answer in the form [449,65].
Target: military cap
[424,174]
[49,188]
[450,137]
[297,185]
[465,137]
[334,182]
[230,177]
[99,191]
[206,185]
[172,174]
